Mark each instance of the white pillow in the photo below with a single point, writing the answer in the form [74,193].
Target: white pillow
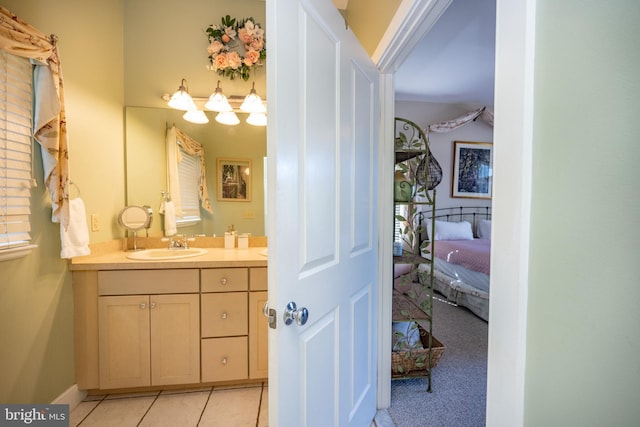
[484,229]
[453,230]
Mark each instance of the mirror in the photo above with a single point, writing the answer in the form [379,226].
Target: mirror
[134,218]
[146,166]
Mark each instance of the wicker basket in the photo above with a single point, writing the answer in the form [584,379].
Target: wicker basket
[415,362]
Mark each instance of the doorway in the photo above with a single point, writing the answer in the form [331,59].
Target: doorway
[513,104]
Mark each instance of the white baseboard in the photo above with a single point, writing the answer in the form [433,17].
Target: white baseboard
[72,397]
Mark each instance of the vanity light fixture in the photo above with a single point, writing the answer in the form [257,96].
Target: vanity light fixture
[181,100]
[196,116]
[218,101]
[252,102]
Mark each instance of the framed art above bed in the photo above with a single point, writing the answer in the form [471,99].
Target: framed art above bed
[472,169]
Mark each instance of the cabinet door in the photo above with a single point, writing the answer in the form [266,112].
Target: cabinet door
[258,336]
[175,339]
[123,330]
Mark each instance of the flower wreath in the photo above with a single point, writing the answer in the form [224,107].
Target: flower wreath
[235,48]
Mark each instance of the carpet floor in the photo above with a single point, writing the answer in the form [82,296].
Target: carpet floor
[459,381]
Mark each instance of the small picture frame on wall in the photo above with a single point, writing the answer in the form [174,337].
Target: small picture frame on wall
[472,170]
[233,178]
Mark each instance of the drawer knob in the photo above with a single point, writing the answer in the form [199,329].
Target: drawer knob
[223,281]
[224,361]
[223,316]
[143,306]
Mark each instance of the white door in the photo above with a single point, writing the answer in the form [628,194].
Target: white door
[322,141]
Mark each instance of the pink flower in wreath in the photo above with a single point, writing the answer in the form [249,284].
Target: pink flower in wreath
[256,44]
[251,57]
[245,36]
[215,47]
[230,33]
[221,62]
[234,60]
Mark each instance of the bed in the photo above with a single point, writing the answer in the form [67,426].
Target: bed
[462,252]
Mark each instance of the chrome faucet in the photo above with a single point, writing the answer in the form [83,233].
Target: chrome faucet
[179,242]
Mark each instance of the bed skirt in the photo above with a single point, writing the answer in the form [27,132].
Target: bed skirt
[477,301]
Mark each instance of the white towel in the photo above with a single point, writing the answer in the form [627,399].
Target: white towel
[75,239]
[169,210]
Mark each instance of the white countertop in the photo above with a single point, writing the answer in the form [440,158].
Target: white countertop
[214,258]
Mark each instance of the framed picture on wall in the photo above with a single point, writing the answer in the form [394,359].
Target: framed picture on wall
[472,169]
[233,178]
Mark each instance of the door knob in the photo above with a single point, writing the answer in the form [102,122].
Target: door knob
[292,312]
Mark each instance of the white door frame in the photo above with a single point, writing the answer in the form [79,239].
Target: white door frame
[515,31]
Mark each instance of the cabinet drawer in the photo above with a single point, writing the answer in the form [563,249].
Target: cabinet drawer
[258,278]
[224,314]
[224,359]
[225,279]
[136,282]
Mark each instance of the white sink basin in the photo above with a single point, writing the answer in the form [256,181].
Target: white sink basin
[160,254]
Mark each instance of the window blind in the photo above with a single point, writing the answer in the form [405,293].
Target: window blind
[189,178]
[16,124]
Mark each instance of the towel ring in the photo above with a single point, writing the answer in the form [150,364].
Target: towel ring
[71,183]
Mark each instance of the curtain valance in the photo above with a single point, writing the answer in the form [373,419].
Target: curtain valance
[50,129]
[449,125]
[194,148]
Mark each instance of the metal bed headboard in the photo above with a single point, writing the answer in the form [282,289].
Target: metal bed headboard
[473,214]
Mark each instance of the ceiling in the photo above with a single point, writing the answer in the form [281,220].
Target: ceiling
[454,62]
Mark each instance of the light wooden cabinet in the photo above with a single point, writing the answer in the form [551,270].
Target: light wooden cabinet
[124,336]
[259,333]
[224,324]
[224,359]
[224,314]
[146,328]
[148,340]
[258,324]
[151,339]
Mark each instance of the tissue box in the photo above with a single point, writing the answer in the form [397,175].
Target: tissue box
[243,241]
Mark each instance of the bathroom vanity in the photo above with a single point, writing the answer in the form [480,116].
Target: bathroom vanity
[176,322]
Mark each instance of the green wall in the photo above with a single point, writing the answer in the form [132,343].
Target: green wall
[36,306]
[582,364]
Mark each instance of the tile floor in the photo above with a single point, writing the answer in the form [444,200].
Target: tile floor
[240,406]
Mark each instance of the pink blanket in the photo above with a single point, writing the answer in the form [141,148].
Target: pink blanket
[472,254]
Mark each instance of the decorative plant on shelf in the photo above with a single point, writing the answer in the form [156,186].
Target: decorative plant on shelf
[408,347]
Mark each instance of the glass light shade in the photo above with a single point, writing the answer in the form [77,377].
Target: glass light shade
[181,100]
[196,116]
[257,119]
[253,103]
[217,101]
[227,118]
